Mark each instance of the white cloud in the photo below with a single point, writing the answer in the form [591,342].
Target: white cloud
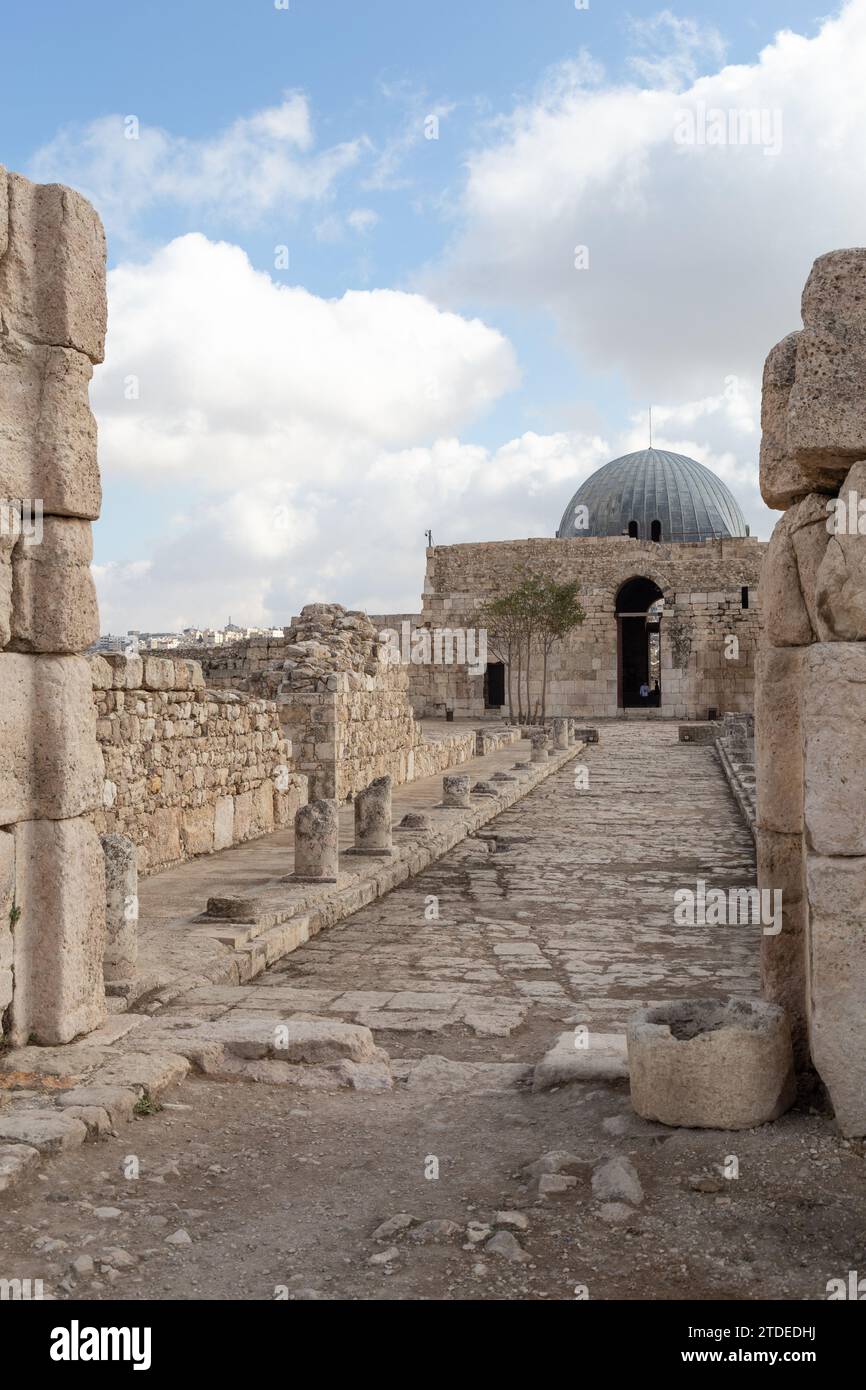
[259,164]
[697,253]
[671,49]
[299,424]
[299,427]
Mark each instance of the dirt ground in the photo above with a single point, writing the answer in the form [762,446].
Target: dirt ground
[280,1198]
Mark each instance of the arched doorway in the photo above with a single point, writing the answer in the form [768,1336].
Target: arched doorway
[638,627]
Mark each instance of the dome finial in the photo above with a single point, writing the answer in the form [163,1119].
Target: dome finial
[651,426]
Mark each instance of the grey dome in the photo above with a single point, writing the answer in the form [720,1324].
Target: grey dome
[691,503]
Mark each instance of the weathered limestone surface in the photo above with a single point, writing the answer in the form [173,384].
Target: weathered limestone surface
[59,936]
[187,770]
[782,480]
[840,597]
[52,271]
[826,417]
[59,772]
[373,818]
[784,956]
[121,908]
[811,689]
[54,600]
[778,739]
[317,839]
[52,331]
[834,738]
[837,903]
[711,1063]
[790,574]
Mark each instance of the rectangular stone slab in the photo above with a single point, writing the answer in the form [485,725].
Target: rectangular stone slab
[59,937]
[50,762]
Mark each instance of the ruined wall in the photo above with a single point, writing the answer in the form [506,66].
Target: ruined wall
[52,892]
[702,586]
[811,691]
[187,770]
[346,711]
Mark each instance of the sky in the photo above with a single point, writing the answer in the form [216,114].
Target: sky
[387,267]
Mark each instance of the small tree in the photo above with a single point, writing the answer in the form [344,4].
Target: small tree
[504,621]
[536,614]
[560,613]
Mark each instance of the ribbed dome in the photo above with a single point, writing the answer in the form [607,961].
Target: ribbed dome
[689,501]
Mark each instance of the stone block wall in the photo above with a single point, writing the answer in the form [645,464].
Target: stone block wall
[52,894]
[187,770]
[811,693]
[702,584]
[345,709]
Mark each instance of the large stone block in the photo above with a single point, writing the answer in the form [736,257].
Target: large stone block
[837,940]
[834,296]
[50,761]
[711,1063]
[781,868]
[778,738]
[827,406]
[59,936]
[52,274]
[47,429]
[782,480]
[841,579]
[54,600]
[834,740]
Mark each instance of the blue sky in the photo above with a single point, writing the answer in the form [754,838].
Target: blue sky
[344,177]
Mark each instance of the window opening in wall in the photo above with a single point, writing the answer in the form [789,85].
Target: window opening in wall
[633,530]
[744,596]
[494,685]
[656,531]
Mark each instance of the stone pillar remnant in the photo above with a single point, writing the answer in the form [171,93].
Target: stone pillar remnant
[52,331]
[455,791]
[810,710]
[317,840]
[373,819]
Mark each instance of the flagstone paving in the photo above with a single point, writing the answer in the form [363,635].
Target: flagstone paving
[560,913]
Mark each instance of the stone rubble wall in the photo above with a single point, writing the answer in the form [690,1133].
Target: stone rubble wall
[345,710]
[187,770]
[52,892]
[811,687]
[702,585]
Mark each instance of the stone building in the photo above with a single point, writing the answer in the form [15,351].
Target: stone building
[668,579]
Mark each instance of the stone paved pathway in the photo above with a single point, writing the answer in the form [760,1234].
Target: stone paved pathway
[276,1191]
[561,913]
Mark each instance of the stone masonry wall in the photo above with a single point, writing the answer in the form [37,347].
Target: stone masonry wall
[52,889]
[187,770]
[810,712]
[346,711]
[702,586]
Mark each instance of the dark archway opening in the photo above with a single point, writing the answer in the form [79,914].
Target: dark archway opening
[494,685]
[656,531]
[638,619]
[633,530]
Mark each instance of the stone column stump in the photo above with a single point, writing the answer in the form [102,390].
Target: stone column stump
[373,820]
[317,839]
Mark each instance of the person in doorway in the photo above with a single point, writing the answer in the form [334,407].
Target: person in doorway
[644,691]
